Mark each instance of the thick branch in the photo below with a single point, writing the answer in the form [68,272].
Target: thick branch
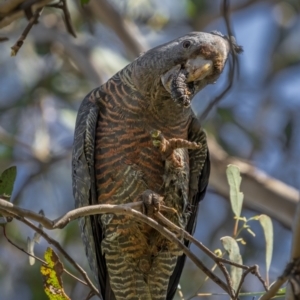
[295,253]
[8,14]
[8,6]
[125,30]
[79,54]
[107,208]
[132,209]
[204,19]
[292,291]
[262,193]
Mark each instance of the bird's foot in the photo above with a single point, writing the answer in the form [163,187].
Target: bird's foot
[167,147]
[151,201]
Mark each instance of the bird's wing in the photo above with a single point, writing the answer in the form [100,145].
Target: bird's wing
[200,171]
[84,189]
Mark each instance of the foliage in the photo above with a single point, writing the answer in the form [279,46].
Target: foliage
[7,180]
[231,245]
[52,272]
[42,86]
[232,248]
[52,269]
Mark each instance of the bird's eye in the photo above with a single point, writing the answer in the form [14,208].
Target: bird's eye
[186,44]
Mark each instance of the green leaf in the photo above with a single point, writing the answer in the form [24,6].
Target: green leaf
[83,2]
[31,242]
[267,226]
[30,250]
[236,197]
[226,115]
[7,180]
[282,291]
[233,250]
[52,272]
[288,131]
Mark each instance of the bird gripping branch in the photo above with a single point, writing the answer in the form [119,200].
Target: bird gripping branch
[136,138]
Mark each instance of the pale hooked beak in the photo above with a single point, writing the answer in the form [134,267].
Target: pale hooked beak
[198,68]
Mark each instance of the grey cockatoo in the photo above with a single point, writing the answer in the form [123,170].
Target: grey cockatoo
[136,138]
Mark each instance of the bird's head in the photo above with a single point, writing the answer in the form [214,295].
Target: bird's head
[198,59]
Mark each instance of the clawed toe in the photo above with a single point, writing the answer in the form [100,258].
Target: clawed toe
[168,147]
[151,201]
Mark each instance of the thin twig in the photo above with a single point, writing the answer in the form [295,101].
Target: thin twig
[274,288]
[36,257]
[14,14]
[75,277]
[127,209]
[100,209]
[262,192]
[190,238]
[62,4]
[62,251]
[253,270]
[21,249]
[291,270]
[203,248]
[16,47]
[257,274]
[204,19]
[126,30]
[90,295]
[228,279]
[8,207]
[218,260]
[233,65]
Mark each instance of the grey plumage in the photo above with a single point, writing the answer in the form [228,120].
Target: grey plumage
[117,160]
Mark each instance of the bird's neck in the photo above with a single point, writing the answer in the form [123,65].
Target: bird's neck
[154,101]
[165,109]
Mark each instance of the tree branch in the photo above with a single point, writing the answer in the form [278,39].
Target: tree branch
[62,251]
[126,31]
[261,192]
[8,13]
[7,208]
[293,289]
[79,54]
[202,20]
[8,6]
[16,47]
[61,222]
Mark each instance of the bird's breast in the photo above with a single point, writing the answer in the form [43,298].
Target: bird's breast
[127,162]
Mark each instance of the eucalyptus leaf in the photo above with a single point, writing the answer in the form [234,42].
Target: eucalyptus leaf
[7,180]
[266,223]
[52,275]
[236,197]
[232,248]
[30,250]
[83,2]
[35,239]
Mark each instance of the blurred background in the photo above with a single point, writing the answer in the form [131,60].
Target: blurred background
[42,87]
